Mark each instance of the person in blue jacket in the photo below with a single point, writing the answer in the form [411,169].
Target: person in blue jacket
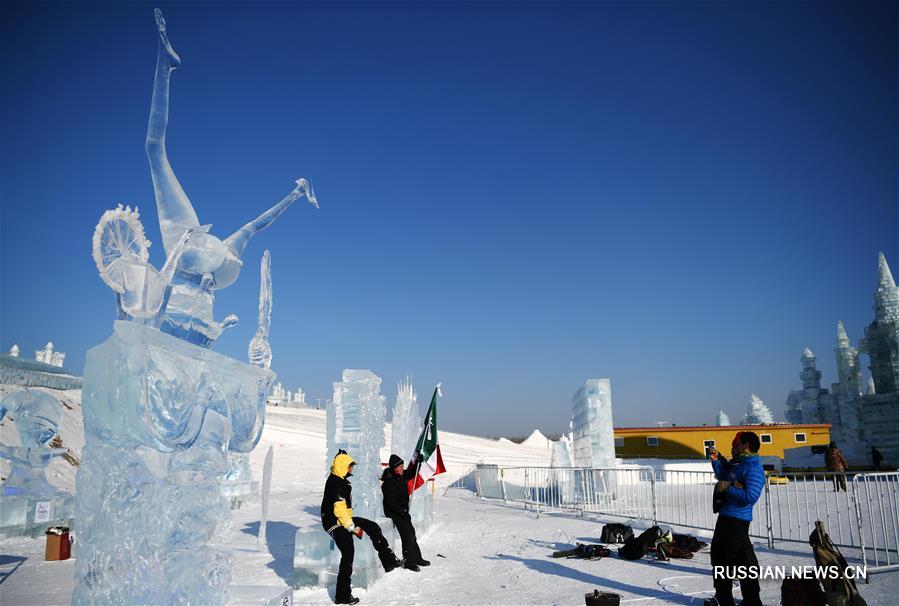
[740,483]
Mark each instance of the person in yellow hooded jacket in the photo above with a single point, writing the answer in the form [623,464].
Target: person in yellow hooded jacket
[339,522]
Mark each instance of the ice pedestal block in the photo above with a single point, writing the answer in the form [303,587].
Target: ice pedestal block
[593,438]
[421,510]
[160,416]
[316,558]
[355,423]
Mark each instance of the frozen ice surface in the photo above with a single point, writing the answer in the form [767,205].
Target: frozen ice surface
[37,415]
[593,439]
[160,416]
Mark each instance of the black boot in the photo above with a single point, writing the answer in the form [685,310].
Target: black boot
[411,566]
[423,562]
[347,600]
[391,564]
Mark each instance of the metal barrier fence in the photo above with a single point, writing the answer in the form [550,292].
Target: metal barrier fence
[862,514]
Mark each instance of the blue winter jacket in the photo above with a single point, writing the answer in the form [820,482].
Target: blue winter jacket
[747,470]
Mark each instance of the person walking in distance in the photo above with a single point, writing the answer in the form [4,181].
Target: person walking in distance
[740,483]
[395,488]
[339,522]
[876,458]
[836,463]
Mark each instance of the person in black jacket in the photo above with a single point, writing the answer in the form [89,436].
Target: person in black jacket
[395,488]
[339,522]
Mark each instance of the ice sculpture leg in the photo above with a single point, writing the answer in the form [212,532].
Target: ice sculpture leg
[176,213]
[160,416]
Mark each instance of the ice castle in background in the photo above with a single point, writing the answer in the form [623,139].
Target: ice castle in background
[592,431]
[161,410]
[722,420]
[29,504]
[284,397]
[757,413]
[859,420]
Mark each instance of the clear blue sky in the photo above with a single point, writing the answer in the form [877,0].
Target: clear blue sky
[514,197]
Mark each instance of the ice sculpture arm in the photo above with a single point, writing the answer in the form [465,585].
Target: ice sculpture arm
[238,241]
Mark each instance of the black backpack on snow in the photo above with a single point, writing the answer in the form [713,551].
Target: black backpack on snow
[637,547]
[616,533]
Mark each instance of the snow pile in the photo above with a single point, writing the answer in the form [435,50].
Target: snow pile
[538,441]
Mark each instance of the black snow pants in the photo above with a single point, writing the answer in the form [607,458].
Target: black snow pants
[411,552]
[732,548]
[344,540]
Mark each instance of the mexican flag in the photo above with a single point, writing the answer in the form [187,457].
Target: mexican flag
[428,461]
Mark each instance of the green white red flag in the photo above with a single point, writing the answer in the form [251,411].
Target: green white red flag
[428,461]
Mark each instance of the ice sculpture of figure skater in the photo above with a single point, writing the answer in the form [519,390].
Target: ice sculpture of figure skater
[208,263]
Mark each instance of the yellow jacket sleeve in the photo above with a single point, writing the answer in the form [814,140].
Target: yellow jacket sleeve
[344,515]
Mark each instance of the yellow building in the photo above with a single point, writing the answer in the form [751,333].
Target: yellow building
[694,442]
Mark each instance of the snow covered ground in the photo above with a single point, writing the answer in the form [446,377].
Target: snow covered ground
[483,552]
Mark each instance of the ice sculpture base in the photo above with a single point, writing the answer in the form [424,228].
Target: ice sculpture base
[160,416]
[17,514]
[316,558]
[260,595]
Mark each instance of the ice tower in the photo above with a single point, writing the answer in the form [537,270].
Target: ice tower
[593,438]
[722,419]
[406,428]
[881,341]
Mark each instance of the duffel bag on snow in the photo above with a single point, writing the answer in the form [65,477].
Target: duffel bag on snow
[637,547]
[616,533]
[602,598]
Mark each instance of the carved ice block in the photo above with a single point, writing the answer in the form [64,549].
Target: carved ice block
[160,416]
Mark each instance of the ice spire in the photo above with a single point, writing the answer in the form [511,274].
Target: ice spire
[406,420]
[260,352]
[842,337]
[722,419]
[757,413]
[871,389]
[14,350]
[886,297]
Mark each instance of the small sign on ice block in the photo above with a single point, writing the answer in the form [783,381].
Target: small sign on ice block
[42,511]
